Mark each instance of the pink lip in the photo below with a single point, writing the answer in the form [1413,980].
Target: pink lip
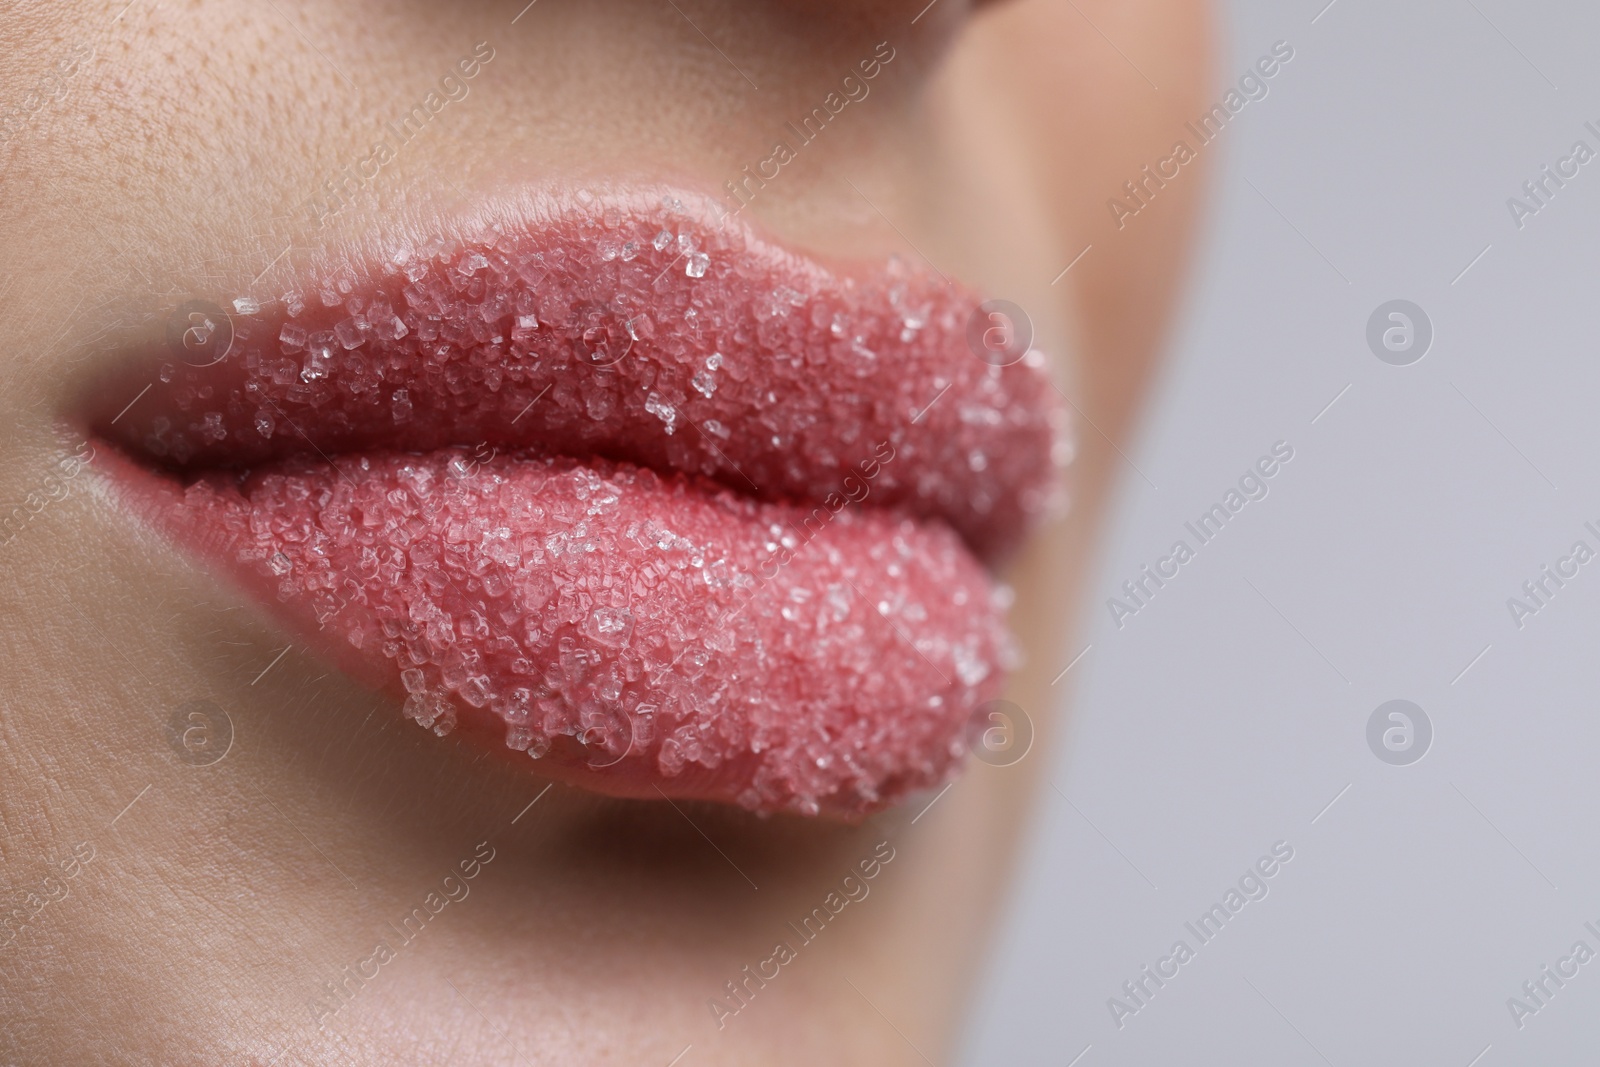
[642,494]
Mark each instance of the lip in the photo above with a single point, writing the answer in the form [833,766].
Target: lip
[611,482]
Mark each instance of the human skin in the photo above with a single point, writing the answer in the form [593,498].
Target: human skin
[216,907]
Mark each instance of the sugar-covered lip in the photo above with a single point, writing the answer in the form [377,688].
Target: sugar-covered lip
[636,490]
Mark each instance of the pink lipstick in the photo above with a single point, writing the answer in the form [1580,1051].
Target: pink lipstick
[638,493]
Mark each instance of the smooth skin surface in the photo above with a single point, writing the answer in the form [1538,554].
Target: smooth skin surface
[219,902]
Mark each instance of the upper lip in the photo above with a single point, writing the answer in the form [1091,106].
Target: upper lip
[771,377]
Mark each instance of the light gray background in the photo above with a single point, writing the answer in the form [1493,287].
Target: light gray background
[1223,717]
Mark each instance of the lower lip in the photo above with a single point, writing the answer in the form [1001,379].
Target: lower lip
[667,636]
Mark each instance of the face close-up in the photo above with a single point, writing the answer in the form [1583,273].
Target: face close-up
[545,533]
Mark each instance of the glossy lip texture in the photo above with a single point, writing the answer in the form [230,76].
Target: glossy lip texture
[668,507]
